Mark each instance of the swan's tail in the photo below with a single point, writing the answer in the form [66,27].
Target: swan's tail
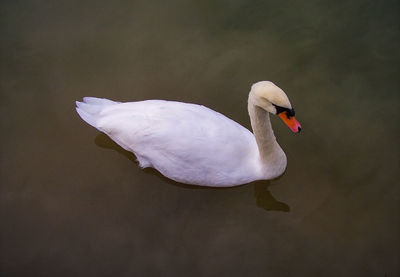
[91,107]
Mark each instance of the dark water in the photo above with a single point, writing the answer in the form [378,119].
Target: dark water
[72,203]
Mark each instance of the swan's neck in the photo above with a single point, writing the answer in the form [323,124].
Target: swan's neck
[272,157]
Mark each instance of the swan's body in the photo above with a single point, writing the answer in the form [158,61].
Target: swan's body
[190,143]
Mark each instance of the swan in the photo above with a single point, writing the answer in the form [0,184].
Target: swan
[193,144]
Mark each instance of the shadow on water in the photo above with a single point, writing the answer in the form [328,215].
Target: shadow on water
[264,198]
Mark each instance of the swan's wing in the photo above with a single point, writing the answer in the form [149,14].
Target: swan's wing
[186,142]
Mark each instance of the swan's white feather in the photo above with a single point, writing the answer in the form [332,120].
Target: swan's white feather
[175,138]
[99,101]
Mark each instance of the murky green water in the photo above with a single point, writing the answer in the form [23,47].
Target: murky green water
[72,203]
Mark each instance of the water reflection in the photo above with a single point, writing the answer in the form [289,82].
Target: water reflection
[264,198]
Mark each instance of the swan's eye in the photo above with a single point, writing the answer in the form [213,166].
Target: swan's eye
[289,112]
[279,109]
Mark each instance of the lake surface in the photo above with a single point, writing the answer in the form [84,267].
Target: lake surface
[72,203]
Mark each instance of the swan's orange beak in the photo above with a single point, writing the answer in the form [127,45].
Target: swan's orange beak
[291,122]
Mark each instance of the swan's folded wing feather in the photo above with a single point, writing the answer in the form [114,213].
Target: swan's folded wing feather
[173,136]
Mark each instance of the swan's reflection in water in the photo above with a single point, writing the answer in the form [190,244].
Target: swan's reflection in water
[264,198]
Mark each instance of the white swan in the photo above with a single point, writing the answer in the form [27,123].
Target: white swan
[193,144]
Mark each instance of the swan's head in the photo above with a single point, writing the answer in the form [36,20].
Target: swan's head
[273,99]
